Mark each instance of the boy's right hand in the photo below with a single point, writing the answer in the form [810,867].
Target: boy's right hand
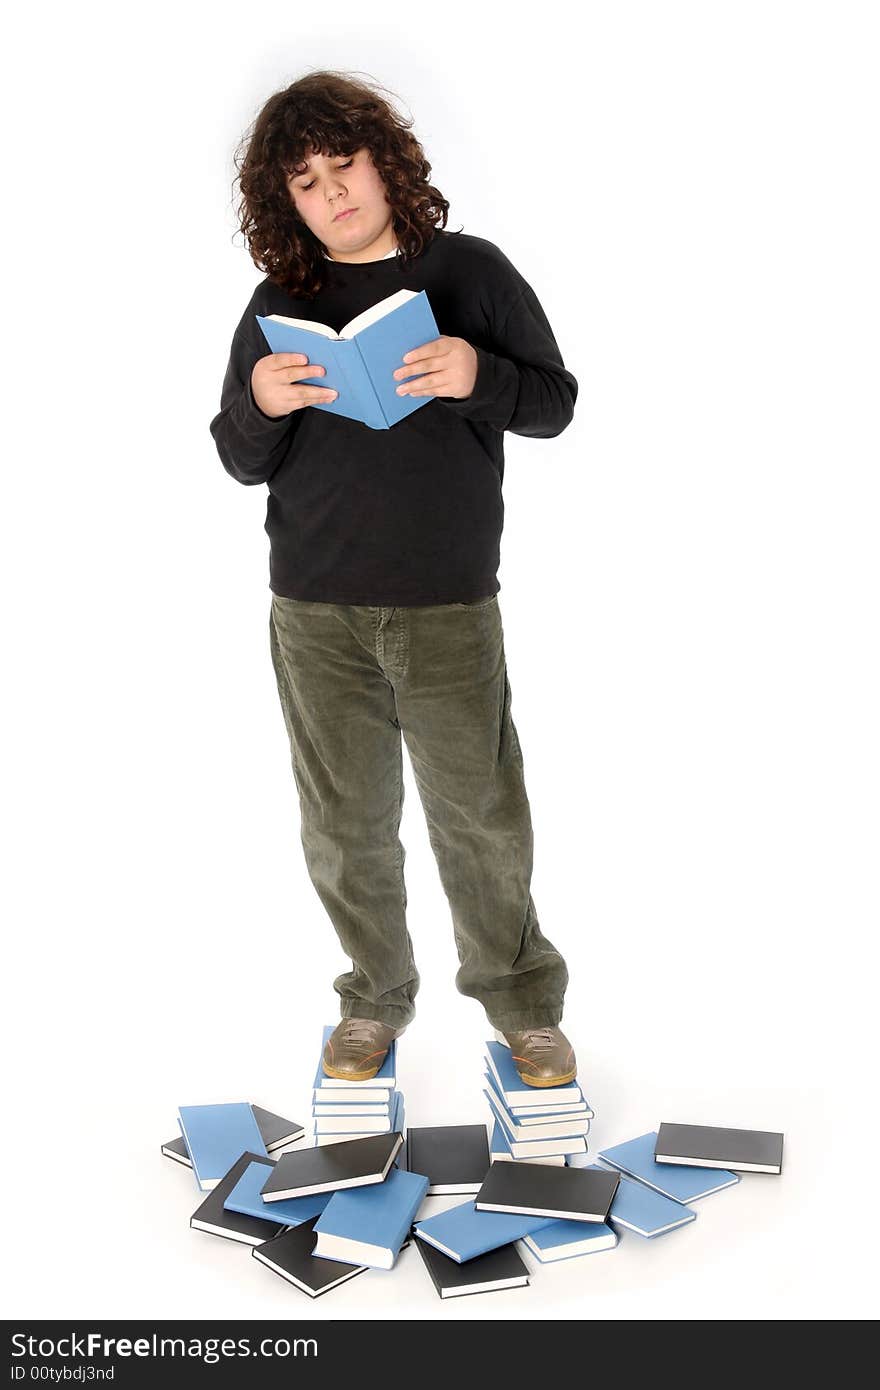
[276,388]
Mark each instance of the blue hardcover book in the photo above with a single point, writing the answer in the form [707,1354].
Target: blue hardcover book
[359,362]
[537,1115]
[398,1113]
[245,1198]
[216,1135]
[554,1139]
[639,1208]
[500,1150]
[564,1240]
[462,1232]
[385,1078]
[368,1225]
[515,1091]
[636,1158]
[550,1123]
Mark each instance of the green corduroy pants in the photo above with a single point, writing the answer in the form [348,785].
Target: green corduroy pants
[353,682]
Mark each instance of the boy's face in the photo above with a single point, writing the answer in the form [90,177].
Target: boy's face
[333,184]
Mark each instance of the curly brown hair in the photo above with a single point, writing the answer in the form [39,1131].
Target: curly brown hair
[334,114]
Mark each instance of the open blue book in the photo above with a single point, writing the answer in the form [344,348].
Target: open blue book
[359,362]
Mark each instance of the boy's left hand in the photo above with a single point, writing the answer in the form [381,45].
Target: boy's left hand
[449,367]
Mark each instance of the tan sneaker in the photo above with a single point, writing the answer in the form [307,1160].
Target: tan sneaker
[357,1047]
[542,1056]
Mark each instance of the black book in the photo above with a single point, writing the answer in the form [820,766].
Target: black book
[535,1189]
[497,1269]
[706,1146]
[290,1255]
[454,1158]
[277,1133]
[213,1218]
[350,1163]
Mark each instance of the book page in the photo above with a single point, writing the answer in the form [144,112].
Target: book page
[307,324]
[376,312]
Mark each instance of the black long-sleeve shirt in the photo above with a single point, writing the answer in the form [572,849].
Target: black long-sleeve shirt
[411,515]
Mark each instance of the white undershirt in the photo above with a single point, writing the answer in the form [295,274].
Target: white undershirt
[382,258]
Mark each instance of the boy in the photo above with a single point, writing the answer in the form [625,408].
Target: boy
[384,550]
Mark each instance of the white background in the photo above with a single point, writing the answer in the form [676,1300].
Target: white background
[688,593]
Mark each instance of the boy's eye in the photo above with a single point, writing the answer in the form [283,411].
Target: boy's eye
[304,187]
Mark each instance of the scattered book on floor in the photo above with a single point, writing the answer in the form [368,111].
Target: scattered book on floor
[291,1255]
[556,1138]
[176,1149]
[566,1240]
[368,1225]
[213,1217]
[383,1083]
[533,1189]
[351,1163]
[277,1133]
[502,1268]
[499,1151]
[454,1158]
[216,1135]
[514,1091]
[246,1197]
[462,1232]
[648,1213]
[636,1158]
[707,1146]
[360,360]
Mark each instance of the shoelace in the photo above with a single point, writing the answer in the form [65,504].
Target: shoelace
[538,1039]
[359,1031]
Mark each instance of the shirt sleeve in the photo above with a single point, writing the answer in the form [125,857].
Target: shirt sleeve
[522,384]
[251,444]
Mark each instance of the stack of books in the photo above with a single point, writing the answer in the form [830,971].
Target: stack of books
[546,1124]
[320,1207]
[351,1109]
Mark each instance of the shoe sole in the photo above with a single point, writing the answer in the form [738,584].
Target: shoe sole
[548,1080]
[350,1075]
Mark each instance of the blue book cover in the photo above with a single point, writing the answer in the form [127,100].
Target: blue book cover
[368,1225]
[515,1091]
[360,362]
[566,1240]
[386,1076]
[636,1158]
[216,1135]
[639,1208]
[398,1114]
[577,1122]
[292,1211]
[462,1232]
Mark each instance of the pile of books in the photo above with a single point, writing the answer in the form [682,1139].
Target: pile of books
[548,1123]
[350,1109]
[319,1207]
